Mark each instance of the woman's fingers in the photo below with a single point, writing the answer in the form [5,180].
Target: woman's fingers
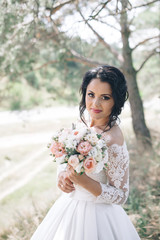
[68,182]
[70,172]
[65,188]
[70,168]
[64,183]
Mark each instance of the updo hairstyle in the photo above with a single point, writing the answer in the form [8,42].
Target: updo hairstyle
[116,79]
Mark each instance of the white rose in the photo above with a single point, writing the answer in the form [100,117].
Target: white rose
[63,136]
[99,167]
[79,166]
[73,161]
[101,143]
[61,159]
[71,144]
[93,152]
[105,159]
[81,133]
[92,138]
[99,155]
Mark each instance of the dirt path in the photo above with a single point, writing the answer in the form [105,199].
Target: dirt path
[15,176]
[22,165]
[24,179]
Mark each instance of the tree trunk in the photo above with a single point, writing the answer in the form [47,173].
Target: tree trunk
[138,121]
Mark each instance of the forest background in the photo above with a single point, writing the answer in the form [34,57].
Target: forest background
[45,48]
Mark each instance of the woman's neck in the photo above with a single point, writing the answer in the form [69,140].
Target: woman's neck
[101,124]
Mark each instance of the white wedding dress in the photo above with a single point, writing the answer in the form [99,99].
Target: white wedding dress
[82,216]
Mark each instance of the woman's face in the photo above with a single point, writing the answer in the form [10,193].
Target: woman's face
[99,100]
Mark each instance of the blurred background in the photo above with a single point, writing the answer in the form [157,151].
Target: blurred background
[46,46]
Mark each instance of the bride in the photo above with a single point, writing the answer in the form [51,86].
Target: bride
[89,207]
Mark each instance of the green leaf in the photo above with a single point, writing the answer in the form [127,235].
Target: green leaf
[99,136]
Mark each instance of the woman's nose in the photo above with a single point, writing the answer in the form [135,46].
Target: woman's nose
[96,102]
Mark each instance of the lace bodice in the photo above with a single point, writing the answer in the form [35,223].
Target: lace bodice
[114,180]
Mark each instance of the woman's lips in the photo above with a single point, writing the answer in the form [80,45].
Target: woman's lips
[96,110]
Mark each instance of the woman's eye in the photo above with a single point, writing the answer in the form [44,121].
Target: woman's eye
[105,98]
[90,94]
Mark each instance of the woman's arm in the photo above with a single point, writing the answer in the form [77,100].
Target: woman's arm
[84,181]
[66,179]
[117,188]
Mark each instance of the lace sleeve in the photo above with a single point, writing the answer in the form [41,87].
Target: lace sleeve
[117,188]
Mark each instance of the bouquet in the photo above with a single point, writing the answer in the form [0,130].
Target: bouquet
[80,147]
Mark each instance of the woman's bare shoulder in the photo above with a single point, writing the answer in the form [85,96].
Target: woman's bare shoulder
[114,136]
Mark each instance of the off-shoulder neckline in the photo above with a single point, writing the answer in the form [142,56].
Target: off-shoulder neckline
[112,145]
[116,144]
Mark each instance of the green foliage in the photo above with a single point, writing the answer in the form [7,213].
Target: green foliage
[32,49]
[149,77]
[150,16]
[135,200]
[99,136]
[16,96]
[19,97]
[143,203]
[33,80]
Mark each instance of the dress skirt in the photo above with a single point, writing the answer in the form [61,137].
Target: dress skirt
[80,218]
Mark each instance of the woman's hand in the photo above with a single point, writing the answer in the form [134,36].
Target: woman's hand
[64,183]
[75,177]
[85,181]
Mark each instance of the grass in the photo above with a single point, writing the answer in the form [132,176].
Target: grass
[143,205]
[40,190]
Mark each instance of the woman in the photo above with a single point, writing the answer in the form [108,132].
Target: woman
[90,205]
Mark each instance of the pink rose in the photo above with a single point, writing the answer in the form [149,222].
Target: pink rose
[84,147]
[73,161]
[81,157]
[76,132]
[57,149]
[89,164]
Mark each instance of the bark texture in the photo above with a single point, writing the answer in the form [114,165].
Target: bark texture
[139,125]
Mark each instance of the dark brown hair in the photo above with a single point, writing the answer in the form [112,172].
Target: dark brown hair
[116,79]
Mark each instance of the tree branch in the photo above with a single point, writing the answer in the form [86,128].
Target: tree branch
[55,9]
[113,51]
[109,25]
[103,6]
[147,58]
[143,5]
[37,68]
[74,57]
[130,8]
[144,41]
[72,54]
[79,58]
